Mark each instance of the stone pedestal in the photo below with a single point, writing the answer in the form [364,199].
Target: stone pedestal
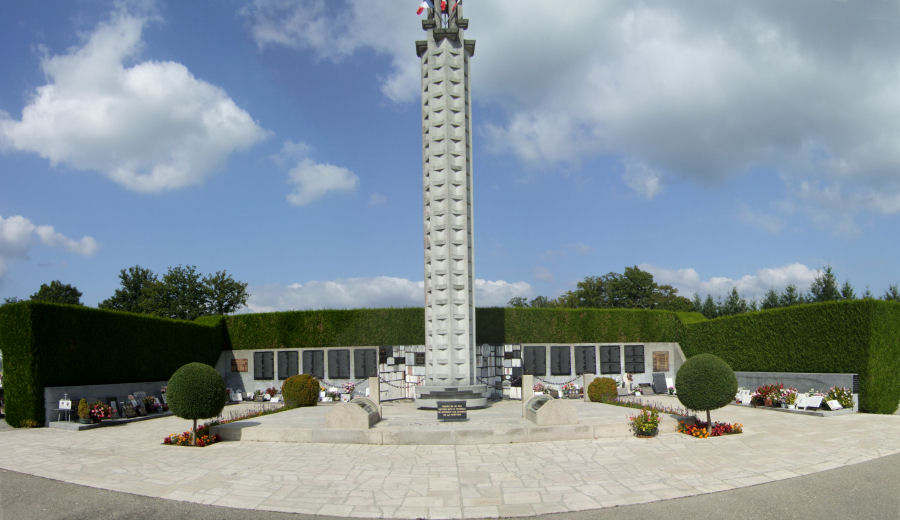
[586,380]
[527,390]
[475,396]
[359,414]
[543,410]
[375,391]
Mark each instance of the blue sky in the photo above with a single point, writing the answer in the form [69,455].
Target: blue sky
[710,144]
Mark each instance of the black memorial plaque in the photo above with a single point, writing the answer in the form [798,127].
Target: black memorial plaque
[659,383]
[451,410]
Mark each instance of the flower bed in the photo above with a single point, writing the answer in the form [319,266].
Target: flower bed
[698,429]
[631,402]
[184,439]
[203,436]
[777,396]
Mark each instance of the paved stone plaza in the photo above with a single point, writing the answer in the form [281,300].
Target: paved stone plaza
[451,481]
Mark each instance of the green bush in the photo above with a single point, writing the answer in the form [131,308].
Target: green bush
[300,390]
[602,390]
[853,337]
[47,344]
[196,391]
[705,382]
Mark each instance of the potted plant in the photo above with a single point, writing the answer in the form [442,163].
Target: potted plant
[84,412]
[538,389]
[645,423]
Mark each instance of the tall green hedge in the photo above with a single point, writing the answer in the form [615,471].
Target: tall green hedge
[494,325]
[527,325]
[327,328]
[46,344]
[861,337]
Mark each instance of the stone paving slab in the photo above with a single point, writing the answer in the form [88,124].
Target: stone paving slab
[461,481]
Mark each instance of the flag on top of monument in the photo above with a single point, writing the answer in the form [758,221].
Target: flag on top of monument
[426,4]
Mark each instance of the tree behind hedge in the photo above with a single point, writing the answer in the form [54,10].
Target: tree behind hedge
[196,391]
[705,382]
[57,292]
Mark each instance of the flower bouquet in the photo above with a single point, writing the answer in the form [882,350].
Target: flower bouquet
[841,395]
[789,397]
[100,411]
[151,404]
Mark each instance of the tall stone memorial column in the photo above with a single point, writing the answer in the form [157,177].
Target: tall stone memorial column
[447,182]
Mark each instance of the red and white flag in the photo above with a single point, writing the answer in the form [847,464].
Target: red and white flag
[456,4]
[426,4]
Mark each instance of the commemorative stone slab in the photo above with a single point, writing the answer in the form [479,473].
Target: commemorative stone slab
[451,411]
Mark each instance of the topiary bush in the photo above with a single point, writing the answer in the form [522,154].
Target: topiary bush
[300,390]
[602,390]
[705,382]
[196,391]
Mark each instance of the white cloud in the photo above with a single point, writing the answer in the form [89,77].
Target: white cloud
[701,90]
[314,180]
[16,236]
[645,181]
[347,293]
[292,151]
[498,292]
[86,246]
[377,199]
[751,286]
[379,291]
[150,126]
[336,30]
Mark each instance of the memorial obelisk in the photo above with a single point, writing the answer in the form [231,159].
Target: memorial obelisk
[450,371]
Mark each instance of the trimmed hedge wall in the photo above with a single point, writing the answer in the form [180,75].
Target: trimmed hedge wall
[494,325]
[46,344]
[526,325]
[327,328]
[861,337]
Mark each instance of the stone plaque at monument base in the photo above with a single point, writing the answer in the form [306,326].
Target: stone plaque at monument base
[451,411]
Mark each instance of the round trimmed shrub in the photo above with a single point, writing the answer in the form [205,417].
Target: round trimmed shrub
[602,389]
[196,391]
[300,390]
[705,382]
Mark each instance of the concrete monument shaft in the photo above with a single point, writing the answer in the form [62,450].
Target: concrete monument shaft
[448,218]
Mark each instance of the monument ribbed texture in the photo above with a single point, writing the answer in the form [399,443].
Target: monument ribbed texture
[447,182]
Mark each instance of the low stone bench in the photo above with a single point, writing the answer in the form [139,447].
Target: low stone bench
[359,414]
[543,410]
